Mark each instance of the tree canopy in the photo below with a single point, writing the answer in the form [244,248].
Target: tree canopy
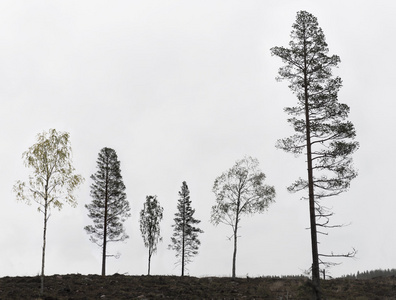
[53,180]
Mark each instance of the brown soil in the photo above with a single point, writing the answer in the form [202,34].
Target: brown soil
[173,287]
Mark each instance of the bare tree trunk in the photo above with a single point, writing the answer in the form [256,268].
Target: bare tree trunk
[183,238]
[105,228]
[235,243]
[44,244]
[104,255]
[235,238]
[149,263]
[312,214]
[182,273]
[234,255]
[104,243]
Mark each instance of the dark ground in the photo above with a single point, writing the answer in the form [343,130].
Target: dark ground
[173,287]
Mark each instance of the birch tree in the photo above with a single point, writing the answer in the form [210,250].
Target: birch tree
[240,191]
[52,182]
[150,218]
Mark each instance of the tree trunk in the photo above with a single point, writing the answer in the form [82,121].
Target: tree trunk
[312,214]
[235,237]
[104,255]
[235,242]
[149,263]
[105,228]
[182,272]
[183,238]
[104,243]
[234,254]
[44,244]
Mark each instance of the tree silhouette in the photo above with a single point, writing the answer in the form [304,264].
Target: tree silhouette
[240,191]
[185,236]
[150,217]
[53,180]
[322,131]
[109,207]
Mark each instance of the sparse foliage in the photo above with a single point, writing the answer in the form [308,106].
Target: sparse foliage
[109,208]
[240,191]
[53,180]
[150,218]
[185,236]
[320,123]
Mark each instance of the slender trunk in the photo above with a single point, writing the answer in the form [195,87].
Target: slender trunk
[105,228]
[149,263]
[312,214]
[104,246]
[44,244]
[183,238]
[182,273]
[234,254]
[235,241]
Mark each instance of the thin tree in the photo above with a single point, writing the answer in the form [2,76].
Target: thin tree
[320,122]
[150,218]
[240,191]
[185,236]
[109,208]
[53,180]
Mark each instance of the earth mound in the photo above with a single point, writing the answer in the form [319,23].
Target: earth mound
[79,287]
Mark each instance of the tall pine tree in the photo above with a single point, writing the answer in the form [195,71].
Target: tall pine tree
[323,132]
[185,237]
[109,207]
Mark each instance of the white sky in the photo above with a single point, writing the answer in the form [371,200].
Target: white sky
[181,90]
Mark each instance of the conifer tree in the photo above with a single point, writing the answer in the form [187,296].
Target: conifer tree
[150,218]
[185,236]
[109,207]
[320,123]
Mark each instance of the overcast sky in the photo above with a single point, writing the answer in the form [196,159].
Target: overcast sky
[181,90]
